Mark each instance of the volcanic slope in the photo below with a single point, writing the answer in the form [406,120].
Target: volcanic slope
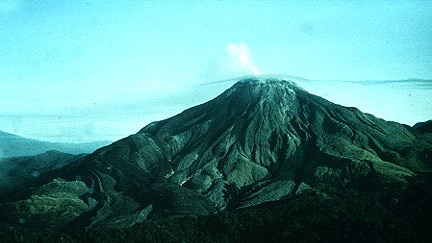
[262,140]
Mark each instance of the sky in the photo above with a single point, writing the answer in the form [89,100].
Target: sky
[100,70]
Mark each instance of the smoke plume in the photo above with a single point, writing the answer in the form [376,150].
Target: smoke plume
[241,56]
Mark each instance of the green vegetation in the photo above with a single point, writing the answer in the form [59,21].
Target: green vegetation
[346,216]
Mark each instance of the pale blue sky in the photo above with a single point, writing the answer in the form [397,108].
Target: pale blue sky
[69,59]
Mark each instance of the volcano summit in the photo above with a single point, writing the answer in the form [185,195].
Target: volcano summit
[263,144]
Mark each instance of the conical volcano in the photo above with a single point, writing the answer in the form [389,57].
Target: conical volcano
[262,140]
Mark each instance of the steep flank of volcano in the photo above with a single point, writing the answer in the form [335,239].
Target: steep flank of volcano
[263,140]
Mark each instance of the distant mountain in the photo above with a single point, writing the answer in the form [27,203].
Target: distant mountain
[14,146]
[263,161]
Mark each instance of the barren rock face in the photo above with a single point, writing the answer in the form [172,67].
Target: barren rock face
[259,141]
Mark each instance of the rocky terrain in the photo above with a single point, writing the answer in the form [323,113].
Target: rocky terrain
[265,160]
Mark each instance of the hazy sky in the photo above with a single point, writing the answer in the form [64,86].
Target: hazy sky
[104,69]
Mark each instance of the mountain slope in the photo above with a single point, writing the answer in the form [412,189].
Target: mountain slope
[14,146]
[260,141]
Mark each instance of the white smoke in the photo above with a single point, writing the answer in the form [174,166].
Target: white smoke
[241,57]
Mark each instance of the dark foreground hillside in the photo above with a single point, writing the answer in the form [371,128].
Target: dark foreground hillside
[345,217]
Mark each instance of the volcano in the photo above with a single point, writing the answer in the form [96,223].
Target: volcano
[261,145]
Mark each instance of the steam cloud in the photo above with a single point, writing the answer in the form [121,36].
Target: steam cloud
[240,54]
